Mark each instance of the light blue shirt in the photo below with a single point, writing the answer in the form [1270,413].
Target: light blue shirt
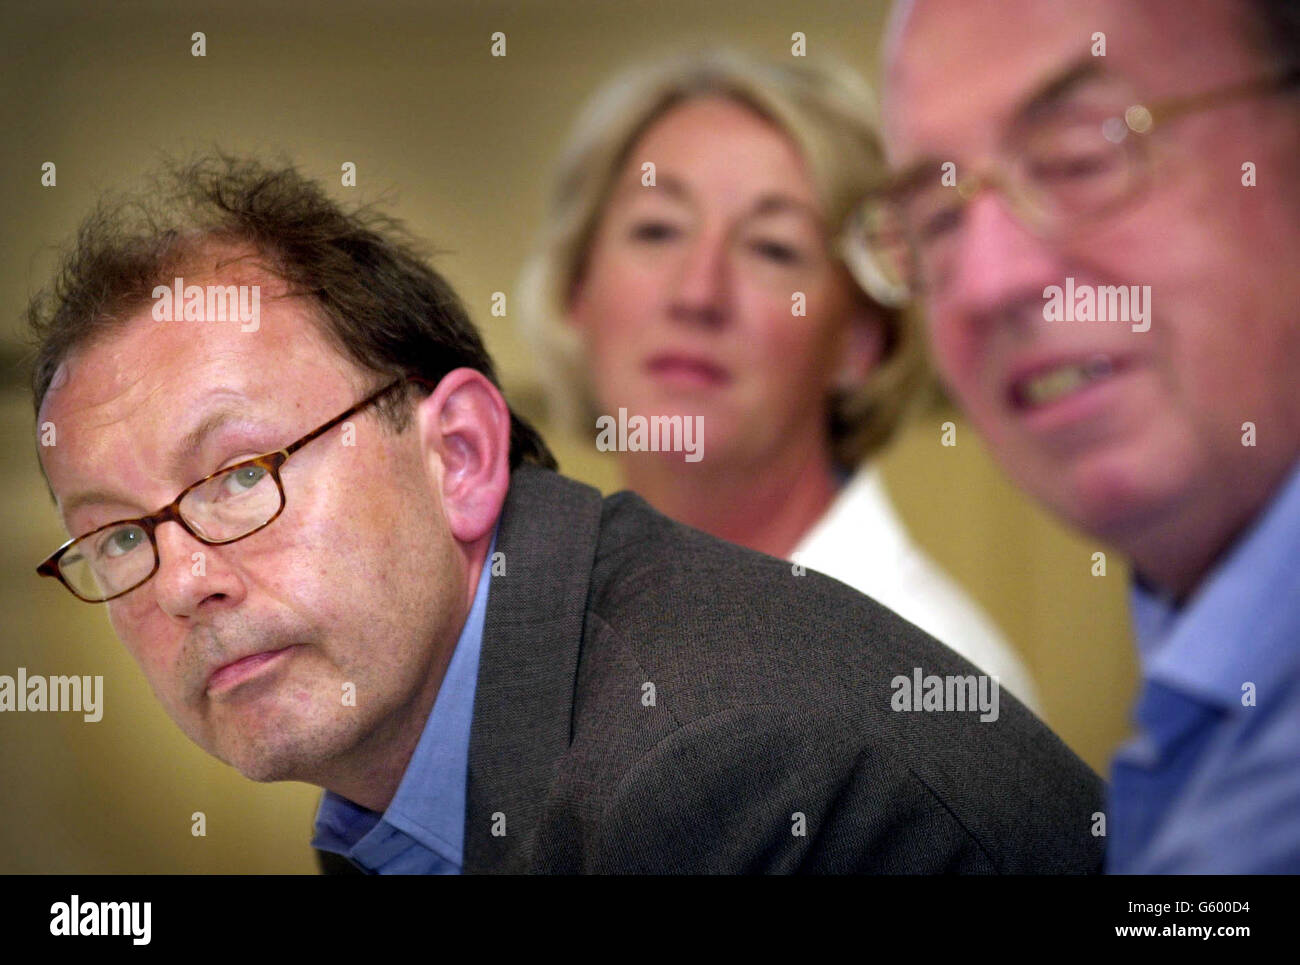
[423,830]
[1211,782]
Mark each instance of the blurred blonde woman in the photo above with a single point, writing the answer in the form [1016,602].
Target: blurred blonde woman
[688,268]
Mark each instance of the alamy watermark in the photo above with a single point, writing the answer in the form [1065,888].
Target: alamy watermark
[1098,303]
[208,303]
[658,433]
[84,695]
[972,692]
[75,917]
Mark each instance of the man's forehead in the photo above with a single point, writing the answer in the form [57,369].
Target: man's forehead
[956,74]
[150,381]
[150,360]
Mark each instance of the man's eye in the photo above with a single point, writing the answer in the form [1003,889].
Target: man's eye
[654,231]
[242,480]
[1073,167]
[119,542]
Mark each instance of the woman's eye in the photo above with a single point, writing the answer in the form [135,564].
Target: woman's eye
[776,251]
[654,231]
[940,222]
[242,480]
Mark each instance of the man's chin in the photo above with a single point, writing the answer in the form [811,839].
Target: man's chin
[298,750]
[265,771]
[1110,499]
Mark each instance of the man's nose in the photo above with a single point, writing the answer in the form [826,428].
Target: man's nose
[700,290]
[191,573]
[998,267]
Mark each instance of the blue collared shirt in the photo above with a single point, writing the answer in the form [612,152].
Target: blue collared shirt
[1211,782]
[423,830]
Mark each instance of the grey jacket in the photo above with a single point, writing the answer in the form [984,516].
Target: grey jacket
[653,699]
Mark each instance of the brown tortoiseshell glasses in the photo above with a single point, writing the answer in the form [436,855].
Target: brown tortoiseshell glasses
[220,508]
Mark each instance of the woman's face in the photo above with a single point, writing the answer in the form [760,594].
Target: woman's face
[712,292]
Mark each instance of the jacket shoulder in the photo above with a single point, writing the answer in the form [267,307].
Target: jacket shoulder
[721,689]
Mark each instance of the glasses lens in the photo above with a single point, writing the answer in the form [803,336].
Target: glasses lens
[1076,169]
[111,561]
[879,252]
[232,504]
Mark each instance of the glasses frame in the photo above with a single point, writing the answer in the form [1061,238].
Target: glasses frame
[272,462]
[1004,176]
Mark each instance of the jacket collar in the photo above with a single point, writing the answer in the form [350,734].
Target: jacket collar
[528,668]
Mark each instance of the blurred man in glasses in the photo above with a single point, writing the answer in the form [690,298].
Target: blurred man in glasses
[1099,205]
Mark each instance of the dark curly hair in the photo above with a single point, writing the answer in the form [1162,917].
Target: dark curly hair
[377,300]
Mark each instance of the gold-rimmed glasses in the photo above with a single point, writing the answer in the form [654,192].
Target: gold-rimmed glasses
[1058,171]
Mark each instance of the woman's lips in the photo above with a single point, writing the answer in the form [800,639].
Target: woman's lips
[234,674]
[688,370]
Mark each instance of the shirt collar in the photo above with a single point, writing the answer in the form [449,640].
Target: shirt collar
[428,810]
[1241,625]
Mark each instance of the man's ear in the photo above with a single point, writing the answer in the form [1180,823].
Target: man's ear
[465,428]
[864,346]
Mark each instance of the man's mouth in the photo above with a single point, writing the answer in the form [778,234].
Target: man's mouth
[240,671]
[1049,384]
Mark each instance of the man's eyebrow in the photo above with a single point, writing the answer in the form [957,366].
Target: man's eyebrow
[191,444]
[1060,87]
[1047,98]
[73,503]
[189,447]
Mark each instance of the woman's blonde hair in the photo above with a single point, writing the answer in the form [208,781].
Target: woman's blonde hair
[826,110]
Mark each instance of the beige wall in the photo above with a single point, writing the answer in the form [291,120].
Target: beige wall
[458,143]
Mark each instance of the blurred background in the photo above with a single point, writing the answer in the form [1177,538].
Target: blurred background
[460,144]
